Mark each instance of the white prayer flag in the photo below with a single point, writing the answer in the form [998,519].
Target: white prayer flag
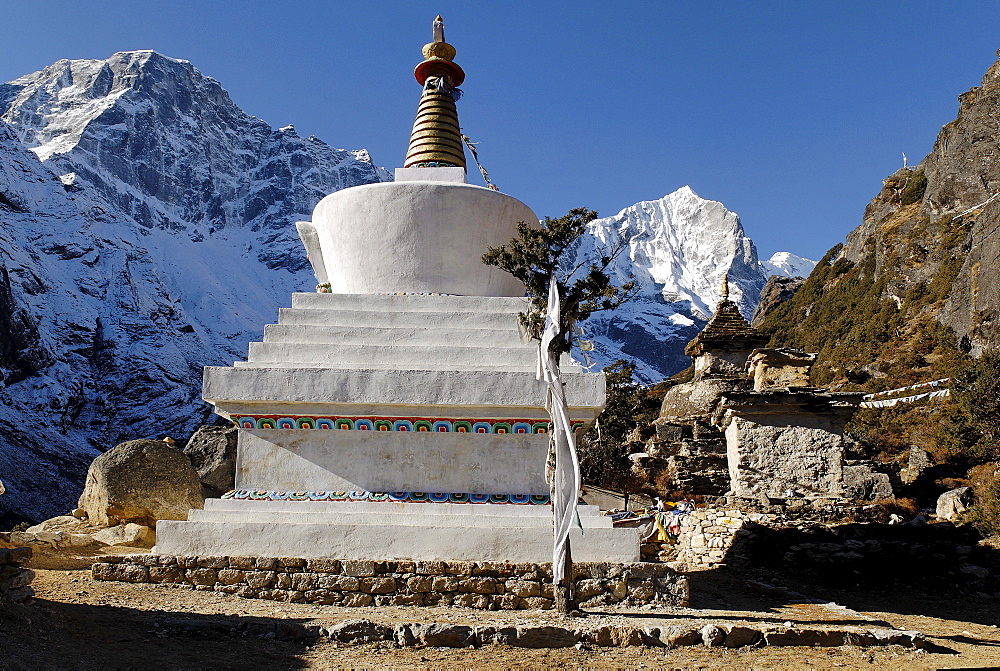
[566,479]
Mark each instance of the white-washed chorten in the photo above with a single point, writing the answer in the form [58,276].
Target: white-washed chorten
[395,413]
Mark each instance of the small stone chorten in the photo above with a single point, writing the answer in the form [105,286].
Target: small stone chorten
[395,414]
[724,345]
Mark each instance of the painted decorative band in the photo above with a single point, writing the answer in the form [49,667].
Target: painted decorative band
[393,497]
[420,424]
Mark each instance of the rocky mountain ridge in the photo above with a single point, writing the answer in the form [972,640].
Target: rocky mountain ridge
[156,237]
[916,282]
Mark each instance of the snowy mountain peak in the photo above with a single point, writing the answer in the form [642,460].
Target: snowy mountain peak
[169,147]
[679,249]
[789,265]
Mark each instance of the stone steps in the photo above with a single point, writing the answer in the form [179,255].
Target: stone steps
[452,320]
[378,512]
[394,357]
[391,335]
[247,385]
[410,303]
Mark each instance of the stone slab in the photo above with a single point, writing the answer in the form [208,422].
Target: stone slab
[404,356]
[389,541]
[584,391]
[424,336]
[453,320]
[462,510]
[409,303]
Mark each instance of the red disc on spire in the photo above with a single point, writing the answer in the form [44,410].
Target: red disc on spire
[437,67]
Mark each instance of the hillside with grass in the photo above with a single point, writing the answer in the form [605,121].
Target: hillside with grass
[914,295]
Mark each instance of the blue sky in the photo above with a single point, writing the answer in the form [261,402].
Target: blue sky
[790,113]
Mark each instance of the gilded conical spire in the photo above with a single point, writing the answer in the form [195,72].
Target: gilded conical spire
[436,139]
[725,287]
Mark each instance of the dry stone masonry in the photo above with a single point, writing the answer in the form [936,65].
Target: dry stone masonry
[482,585]
[15,580]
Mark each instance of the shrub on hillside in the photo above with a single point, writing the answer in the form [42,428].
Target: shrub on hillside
[985,512]
[915,187]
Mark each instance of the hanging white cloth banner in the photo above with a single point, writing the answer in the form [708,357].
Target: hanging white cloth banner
[566,479]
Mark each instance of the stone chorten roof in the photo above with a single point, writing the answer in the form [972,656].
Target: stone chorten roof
[726,330]
[436,138]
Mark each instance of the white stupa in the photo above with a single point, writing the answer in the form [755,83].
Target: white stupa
[395,413]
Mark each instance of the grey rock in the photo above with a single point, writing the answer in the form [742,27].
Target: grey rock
[776,291]
[212,451]
[739,637]
[975,571]
[127,535]
[440,635]
[809,637]
[141,481]
[544,637]
[862,482]
[676,636]
[14,556]
[953,503]
[712,635]
[361,631]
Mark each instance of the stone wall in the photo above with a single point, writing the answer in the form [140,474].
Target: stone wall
[707,536]
[484,585]
[15,580]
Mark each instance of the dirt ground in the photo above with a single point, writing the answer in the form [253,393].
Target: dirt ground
[76,622]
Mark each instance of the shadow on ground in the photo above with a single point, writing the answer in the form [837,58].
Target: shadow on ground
[47,634]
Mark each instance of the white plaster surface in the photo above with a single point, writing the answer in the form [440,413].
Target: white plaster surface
[391,461]
[328,386]
[589,515]
[310,240]
[441,174]
[510,305]
[390,541]
[395,318]
[417,236]
[406,514]
[397,357]
[421,336]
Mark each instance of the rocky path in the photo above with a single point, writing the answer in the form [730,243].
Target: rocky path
[76,622]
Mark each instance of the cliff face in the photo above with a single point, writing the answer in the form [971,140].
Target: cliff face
[921,266]
[146,230]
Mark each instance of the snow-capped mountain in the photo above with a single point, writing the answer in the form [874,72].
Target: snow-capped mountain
[146,230]
[788,264]
[679,248]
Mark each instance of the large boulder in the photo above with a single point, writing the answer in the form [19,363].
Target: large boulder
[212,451]
[952,504]
[140,481]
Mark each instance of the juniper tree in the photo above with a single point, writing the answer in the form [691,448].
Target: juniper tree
[535,255]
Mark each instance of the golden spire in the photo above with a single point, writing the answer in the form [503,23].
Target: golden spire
[725,287]
[436,138]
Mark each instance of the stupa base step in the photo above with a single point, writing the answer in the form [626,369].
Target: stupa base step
[390,541]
